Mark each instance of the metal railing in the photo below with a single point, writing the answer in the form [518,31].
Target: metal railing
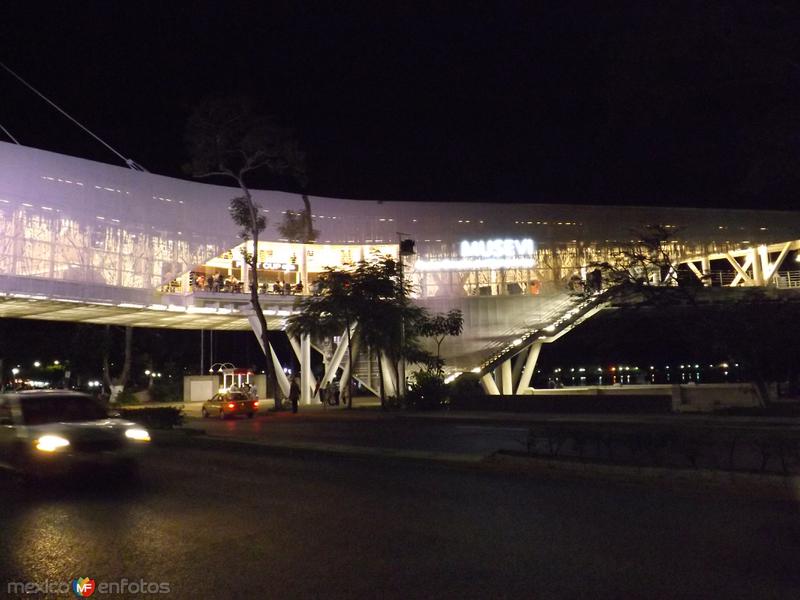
[786,279]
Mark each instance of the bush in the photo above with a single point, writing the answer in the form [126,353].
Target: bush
[154,418]
[126,396]
[427,391]
[166,391]
[466,392]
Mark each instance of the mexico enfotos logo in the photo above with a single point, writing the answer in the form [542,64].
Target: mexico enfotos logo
[85,587]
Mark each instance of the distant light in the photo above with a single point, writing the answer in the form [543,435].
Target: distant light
[37,364]
[55,362]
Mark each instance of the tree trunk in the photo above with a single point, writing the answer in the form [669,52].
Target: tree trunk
[382,388]
[122,380]
[307,218]
[352,355]
[254,301]
[349,362]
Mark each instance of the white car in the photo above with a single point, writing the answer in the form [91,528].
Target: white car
[59,432]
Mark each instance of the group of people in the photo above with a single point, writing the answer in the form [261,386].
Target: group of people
[284,289]
[218,283]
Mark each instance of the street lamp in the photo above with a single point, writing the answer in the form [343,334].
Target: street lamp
[37,364]
[15,371]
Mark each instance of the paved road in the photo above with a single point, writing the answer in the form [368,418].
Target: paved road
[370,429]
[235,525]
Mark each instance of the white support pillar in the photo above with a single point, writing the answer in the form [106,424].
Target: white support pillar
[516,369]
[773,267]
[338,354]
[388,377]
[280,376]
[530,366]
[741,270]
[283,381]
[505,370]
[758,271]
[308,382]
[705,264]
[693,268]
[489,385]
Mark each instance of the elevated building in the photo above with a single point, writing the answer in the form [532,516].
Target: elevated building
[90,242]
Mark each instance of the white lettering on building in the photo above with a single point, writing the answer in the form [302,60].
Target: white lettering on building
[499,248]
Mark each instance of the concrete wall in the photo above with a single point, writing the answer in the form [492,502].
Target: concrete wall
[687,398]
[714,396]
[199,388]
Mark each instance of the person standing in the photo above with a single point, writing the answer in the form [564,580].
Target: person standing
[294,392]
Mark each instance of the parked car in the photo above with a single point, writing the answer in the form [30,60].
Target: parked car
[230,404]
[59,432]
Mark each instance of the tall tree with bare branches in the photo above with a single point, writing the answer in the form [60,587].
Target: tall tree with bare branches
[228,138]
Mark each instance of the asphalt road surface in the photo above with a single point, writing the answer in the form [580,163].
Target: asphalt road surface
[371,430]
[217,524]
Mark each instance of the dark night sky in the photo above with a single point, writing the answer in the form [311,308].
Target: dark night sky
[623,102]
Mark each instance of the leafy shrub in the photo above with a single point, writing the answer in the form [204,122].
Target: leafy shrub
[427,391]
[126,396]
[166,391]
[466,392]
[165,417]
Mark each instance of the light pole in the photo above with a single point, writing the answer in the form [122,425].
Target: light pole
[405,248]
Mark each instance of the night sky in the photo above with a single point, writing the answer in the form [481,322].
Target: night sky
[624,102]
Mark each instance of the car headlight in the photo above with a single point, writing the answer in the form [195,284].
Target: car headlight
[138,434]
[51,443]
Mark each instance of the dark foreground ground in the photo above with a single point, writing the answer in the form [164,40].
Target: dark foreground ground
[235,525]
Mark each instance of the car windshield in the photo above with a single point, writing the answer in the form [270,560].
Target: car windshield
[59,409]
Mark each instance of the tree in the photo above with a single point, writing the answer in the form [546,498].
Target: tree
[642,272]
[227,138]
[326,313]
[440,326]
[374,295]
[297,225]
[748,323]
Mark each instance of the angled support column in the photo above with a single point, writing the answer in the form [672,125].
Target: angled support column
[772,268]
[505,371]
[516,369]
[283,381]
[695,270]
[489,386]
[741,270]
[388,377]
[280,376]
[530,366]
[338,354]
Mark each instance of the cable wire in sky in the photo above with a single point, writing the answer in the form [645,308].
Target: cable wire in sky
[128,161]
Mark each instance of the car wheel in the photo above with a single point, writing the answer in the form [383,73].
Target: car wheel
[221,415]
[249,415]
[205,413]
